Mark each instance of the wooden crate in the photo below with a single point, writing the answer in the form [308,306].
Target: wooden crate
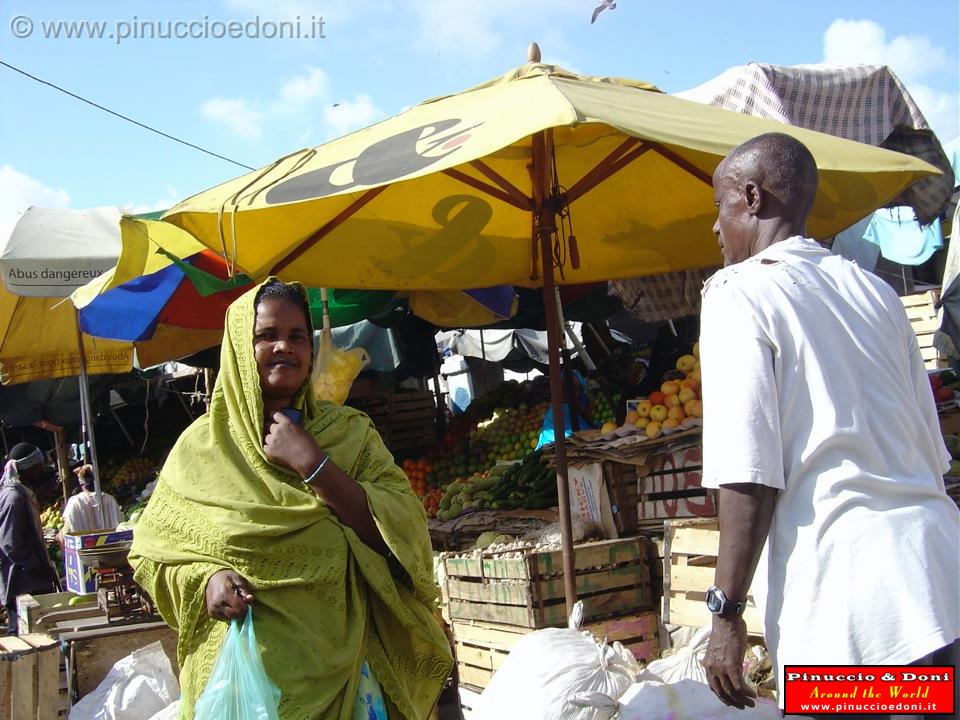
[39,613]
[672,489]
[655,567]
[922,311]
[93,651]
[482,648]
[690,556]
[413,421]
[406,421]
[525,588]
[29,677]
[623,488]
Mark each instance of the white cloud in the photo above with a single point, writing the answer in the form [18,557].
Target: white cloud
[482,28]
[351,114]
[915,59]
[247,118]
[298,91]
[236,114]
[171,198]
[20,191]
[852,42]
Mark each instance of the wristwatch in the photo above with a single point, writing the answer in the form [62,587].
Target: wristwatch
[718,604]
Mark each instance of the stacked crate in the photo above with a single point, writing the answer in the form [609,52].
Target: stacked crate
[690,552]
[30,678]
[494,599]
[922,311]
[406,421]
[672,489]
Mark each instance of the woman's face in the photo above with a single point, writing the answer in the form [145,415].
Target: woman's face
[282,347]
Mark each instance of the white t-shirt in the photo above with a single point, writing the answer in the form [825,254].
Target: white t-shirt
[813,384]
[80,514]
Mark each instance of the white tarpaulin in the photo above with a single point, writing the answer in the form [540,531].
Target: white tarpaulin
[495,345]
[52,252]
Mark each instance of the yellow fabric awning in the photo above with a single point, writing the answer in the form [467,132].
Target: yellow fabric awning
[440,196]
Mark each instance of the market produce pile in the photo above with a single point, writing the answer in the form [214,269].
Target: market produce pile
[51,519]
[677,405]
[471,467]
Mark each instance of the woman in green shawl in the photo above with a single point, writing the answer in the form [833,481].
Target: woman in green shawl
[311,522]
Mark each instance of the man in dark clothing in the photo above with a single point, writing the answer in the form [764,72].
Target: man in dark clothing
[24,564]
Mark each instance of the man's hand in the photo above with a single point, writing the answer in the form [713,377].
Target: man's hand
[227,596]
[723,662]
[290,445]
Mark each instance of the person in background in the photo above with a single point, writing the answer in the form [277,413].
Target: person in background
[81,513]
[24,564]
[822,435]
[635,373]
[292,507]
[575,395]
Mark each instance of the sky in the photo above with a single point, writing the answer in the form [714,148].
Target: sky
[255,98]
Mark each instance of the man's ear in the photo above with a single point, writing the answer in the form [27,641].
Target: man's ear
[753,196]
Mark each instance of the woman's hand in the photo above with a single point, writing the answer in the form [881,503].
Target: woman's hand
[289,444]
[227,596]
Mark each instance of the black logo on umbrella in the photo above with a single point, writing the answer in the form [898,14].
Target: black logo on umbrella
[386,160]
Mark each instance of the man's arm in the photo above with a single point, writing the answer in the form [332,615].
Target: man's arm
[745,513]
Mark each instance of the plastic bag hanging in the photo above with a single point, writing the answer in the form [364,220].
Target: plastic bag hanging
[238,688]
[334,370]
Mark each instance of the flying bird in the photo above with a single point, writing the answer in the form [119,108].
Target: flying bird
[604,4]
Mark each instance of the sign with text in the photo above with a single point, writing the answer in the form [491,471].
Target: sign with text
[869,689]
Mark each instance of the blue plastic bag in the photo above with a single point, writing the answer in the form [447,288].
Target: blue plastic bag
[238,688]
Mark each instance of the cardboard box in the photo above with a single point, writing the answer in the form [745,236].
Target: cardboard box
[80,578]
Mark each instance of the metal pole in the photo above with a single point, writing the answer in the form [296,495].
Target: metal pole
[207,387]
[545,219]
[87,420]
[438,395]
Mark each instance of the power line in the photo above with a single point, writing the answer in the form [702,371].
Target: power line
[123,117]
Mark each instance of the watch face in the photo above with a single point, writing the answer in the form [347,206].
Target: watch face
[714,604]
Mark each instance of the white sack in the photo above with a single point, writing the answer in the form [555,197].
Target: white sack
[686,700]
[137,687]
[170,712]
[558,674]
[684,664]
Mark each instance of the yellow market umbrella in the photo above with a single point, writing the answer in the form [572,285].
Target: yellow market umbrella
[44,259]
[441,196]
[537,177]
[38,341]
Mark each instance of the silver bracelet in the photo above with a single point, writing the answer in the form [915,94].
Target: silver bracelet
[320,467]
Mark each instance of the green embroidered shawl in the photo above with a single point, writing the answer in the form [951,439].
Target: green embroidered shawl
[324,599]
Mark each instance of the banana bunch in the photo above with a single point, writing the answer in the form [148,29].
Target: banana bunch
[51,519]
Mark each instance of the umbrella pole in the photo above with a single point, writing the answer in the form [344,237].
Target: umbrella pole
[87,419]
[63,464]
[545,227]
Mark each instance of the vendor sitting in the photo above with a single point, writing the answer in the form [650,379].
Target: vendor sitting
[81,513]
[574,386]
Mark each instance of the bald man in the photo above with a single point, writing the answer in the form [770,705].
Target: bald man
[24,564]
[821,433]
